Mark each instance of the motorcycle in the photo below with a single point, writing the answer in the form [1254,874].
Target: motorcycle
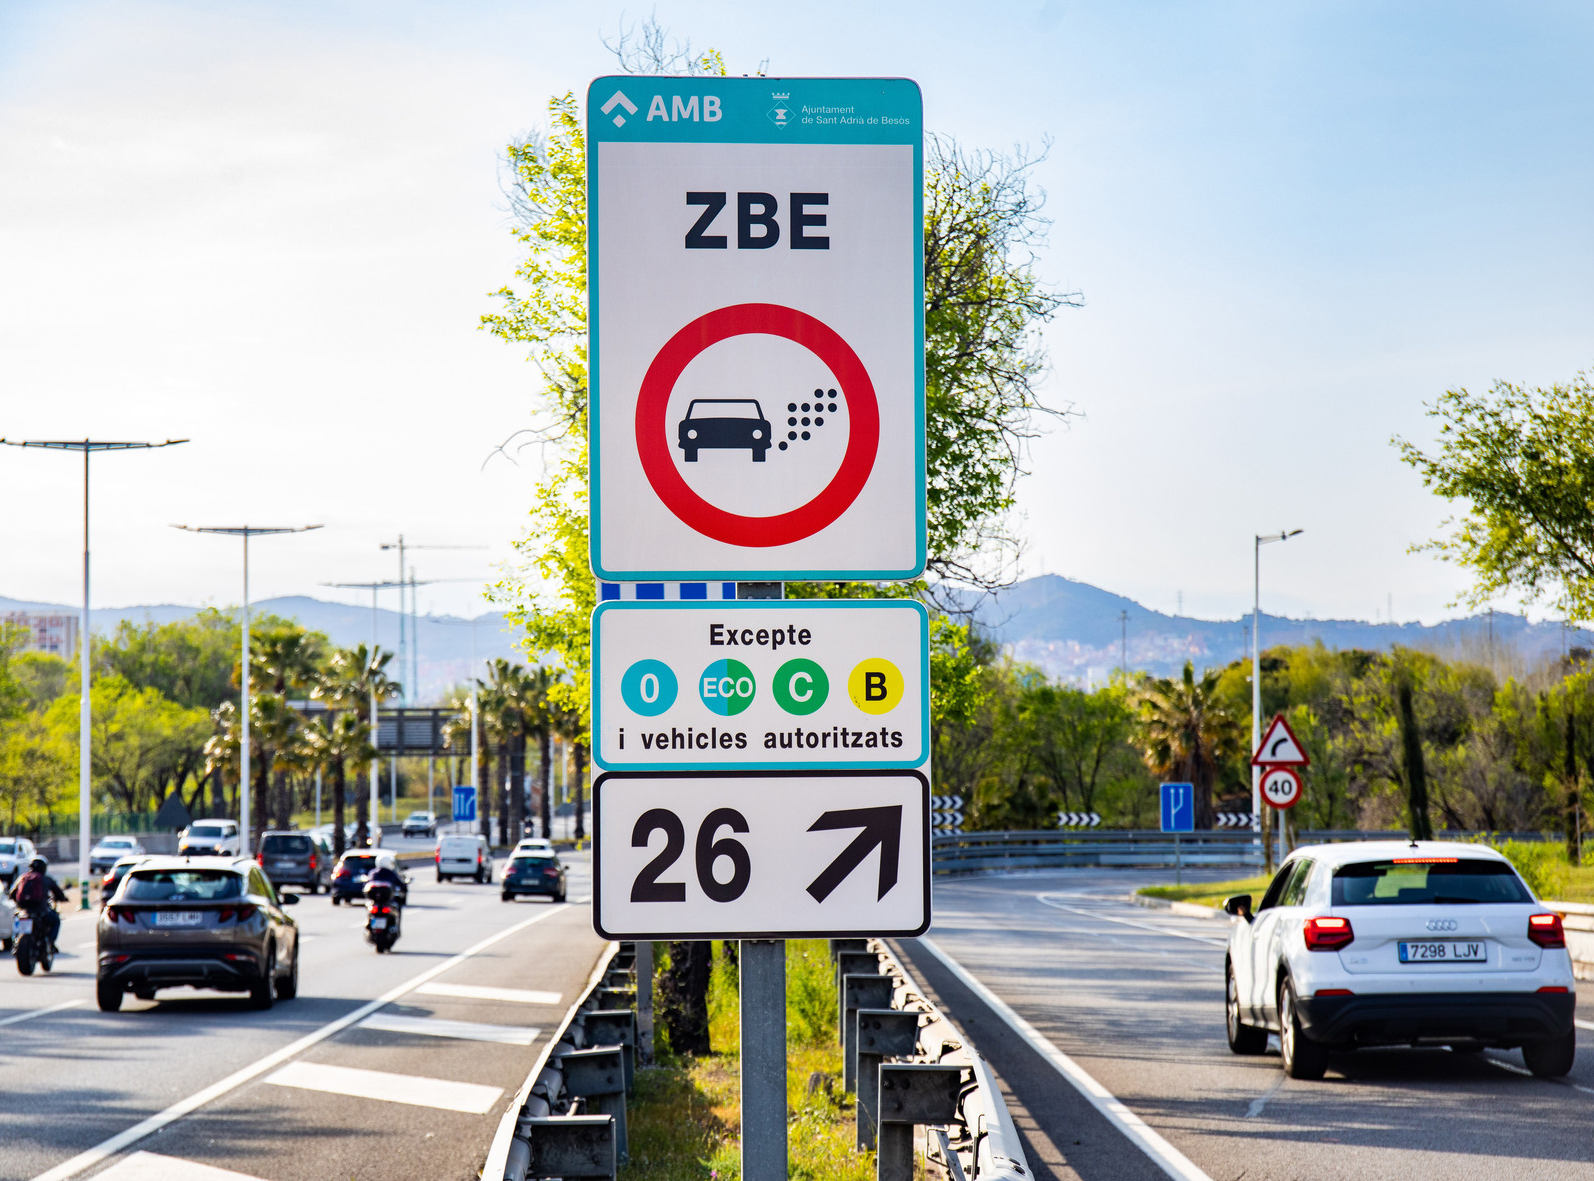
[29,946]
[382,916]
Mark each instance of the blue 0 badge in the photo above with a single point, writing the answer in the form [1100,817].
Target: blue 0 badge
[648,688]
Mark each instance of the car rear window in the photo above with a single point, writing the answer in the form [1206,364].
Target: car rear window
[183,885]
[206,830]
[1409,881]
[534,862]
[283,844]
[725,409]
[359,861]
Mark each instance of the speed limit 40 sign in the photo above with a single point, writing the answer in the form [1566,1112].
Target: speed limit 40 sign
[1281,787]
[761,855]
[756,312]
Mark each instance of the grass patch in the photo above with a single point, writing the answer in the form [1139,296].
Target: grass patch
[1209,893]
[685,1120]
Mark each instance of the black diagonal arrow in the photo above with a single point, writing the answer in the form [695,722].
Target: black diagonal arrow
[881,826]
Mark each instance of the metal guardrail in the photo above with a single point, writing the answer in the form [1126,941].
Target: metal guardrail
[568,1118]
[972,1137]
[994,852]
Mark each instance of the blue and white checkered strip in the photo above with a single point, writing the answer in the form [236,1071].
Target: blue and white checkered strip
[665,592]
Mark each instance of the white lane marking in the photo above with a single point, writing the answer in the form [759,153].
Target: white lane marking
[1164,1155]
[93,1156]
[509,1035]
[479,992]
[31,1013]
[91,942]
[414,1089]
[1045,900]
[150,1166]
[1584,1024]
[1260,1101]
[1514,1069]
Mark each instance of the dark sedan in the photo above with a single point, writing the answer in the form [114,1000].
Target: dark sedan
[724,424]
[534,875]
[354,870]
[208,922]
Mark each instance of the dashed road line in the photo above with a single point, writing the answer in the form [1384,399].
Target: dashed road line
[93,1156]
[31,1013]
[416,1090]
[509,1035]
[1260,1101]
[479,992]
[150,1166]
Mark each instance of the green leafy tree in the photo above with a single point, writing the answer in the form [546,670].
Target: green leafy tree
[192,661]
[1523,461]
[983,305]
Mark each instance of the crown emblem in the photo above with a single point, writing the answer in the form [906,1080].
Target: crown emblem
[780,98]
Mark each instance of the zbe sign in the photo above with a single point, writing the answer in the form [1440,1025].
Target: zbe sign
[756,316]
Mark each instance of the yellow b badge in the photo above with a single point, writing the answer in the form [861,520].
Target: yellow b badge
[875,686]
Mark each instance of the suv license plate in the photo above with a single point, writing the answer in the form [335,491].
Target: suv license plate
[178,918]
[1443,952]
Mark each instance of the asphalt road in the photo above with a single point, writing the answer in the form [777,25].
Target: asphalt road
[1135,998]
[385,1067]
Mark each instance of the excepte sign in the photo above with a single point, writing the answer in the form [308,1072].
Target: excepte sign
[756,318]
[780,685]
[761,855]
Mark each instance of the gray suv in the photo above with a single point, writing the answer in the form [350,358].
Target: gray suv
[204,922]
[296,859]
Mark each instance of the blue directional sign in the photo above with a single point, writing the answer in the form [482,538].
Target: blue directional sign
[464,803]
[1178,807]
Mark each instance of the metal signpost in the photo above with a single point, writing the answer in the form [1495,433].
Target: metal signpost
[756,318]
[1276,753]
[1178,816]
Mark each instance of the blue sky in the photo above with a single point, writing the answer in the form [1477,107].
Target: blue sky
[272,227]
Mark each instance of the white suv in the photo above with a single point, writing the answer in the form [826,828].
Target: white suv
[209,838]
[15,854]
[1392,943]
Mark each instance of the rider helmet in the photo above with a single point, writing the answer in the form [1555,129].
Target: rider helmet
[38,865]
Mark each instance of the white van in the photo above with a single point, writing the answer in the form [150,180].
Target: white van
[464,857]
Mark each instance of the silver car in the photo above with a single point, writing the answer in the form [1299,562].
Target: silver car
[200,922]
[15,853]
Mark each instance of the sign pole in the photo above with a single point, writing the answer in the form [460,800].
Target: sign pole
[1178,862]
[763,997]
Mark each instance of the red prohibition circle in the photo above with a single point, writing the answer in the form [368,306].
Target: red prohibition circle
[652,428]
[1283,773]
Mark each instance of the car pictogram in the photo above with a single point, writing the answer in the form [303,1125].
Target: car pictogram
[725,424]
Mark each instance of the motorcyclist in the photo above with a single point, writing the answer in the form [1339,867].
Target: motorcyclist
[385,875]
[34,892]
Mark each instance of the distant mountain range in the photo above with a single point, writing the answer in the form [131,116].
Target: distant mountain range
[444,653]
[1074,631]
[1077,632]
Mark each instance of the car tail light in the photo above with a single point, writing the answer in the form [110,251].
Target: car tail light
[242,913]
[240,957]
[1554,988]
[121,914]
[314,864]
[1327,933]
[1546,930]
[1333,992]
[260,859]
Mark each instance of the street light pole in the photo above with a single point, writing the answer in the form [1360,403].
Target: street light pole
[245,532]
[1256,668]
[85,801]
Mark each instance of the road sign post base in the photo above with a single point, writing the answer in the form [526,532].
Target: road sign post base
[762,964]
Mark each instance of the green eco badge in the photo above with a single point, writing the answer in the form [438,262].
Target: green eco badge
[727,687]
[801,686]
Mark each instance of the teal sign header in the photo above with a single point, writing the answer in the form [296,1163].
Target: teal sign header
[639,109]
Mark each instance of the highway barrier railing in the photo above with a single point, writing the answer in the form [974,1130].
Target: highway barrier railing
[920,1088]
[996,852]
[568,1117]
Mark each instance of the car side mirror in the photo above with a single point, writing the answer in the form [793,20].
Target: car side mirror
[288,899]
[1239,904]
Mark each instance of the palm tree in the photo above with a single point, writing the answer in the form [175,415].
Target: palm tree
[284,662]
[525,711]
[1185,731]
[352,676]
[571,725]
[339,739]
